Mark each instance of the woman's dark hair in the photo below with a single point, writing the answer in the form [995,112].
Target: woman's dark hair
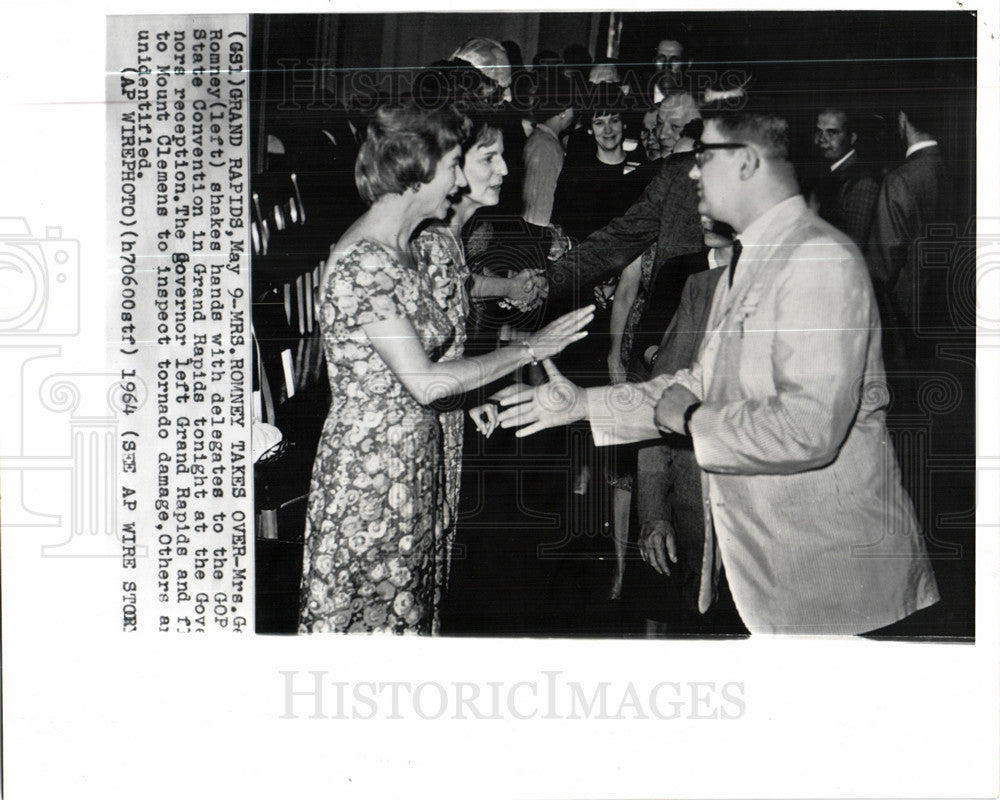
[403,147]
[602,100]
[457,83]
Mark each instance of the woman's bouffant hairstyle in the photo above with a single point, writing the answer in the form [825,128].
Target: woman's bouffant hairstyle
[403,147]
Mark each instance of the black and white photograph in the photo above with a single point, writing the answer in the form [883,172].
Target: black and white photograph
[452,457]
[452,401]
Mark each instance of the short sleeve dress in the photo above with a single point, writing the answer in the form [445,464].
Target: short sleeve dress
[374,554]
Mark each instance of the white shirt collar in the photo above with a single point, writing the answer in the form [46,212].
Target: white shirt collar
[714,260]
[919,146]
[841,161]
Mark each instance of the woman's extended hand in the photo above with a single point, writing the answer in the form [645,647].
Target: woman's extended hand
[486,418]
[556,336]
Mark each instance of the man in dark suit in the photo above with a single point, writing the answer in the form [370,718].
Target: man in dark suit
[911,198]
[668,481]
[665,215]
[846,194]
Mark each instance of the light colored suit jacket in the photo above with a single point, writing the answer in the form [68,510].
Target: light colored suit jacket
[800,480]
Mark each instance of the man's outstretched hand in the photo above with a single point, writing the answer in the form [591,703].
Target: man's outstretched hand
[534,409]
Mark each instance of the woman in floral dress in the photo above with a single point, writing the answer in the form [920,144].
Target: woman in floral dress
[374,553]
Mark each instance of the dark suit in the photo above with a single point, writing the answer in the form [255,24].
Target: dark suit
[847,198]
[909,201]
[666,214]
[668,483]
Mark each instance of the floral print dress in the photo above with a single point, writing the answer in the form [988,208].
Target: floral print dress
[374,555]
[439,254]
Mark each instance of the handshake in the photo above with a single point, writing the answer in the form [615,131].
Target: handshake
[526,290]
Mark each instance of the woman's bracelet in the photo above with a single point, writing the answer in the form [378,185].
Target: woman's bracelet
[531,351]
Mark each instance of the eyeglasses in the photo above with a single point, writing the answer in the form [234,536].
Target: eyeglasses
[701,149]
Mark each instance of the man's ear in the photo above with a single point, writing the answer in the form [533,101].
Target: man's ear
[749,163]
[854,139]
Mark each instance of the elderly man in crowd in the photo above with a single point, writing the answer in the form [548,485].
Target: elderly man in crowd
[802,492]
[490,58]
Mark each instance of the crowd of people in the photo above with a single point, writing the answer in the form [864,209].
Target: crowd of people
[644,263]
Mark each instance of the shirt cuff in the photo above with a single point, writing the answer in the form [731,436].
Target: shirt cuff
[620,414]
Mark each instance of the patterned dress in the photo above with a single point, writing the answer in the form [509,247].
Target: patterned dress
[439,254]
[374,556]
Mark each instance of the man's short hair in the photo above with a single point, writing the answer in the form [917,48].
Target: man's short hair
[922,115]
[767,132]
[694,129]
[849,124]
[403,146]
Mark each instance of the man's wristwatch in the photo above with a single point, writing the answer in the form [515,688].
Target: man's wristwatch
[688,413]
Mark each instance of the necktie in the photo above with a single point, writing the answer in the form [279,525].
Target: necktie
[737,249]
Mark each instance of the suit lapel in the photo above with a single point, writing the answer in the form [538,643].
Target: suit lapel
[733,305]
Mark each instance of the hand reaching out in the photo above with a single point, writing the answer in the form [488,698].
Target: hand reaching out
[534,409]
[485,418]
[559,334]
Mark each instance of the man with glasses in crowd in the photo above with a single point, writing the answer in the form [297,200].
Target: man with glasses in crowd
[803,501]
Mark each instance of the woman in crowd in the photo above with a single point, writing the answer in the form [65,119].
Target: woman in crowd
[592,188]
[500,585]
[374,554]
[439,251]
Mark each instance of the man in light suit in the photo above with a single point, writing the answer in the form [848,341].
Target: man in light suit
[784,405]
